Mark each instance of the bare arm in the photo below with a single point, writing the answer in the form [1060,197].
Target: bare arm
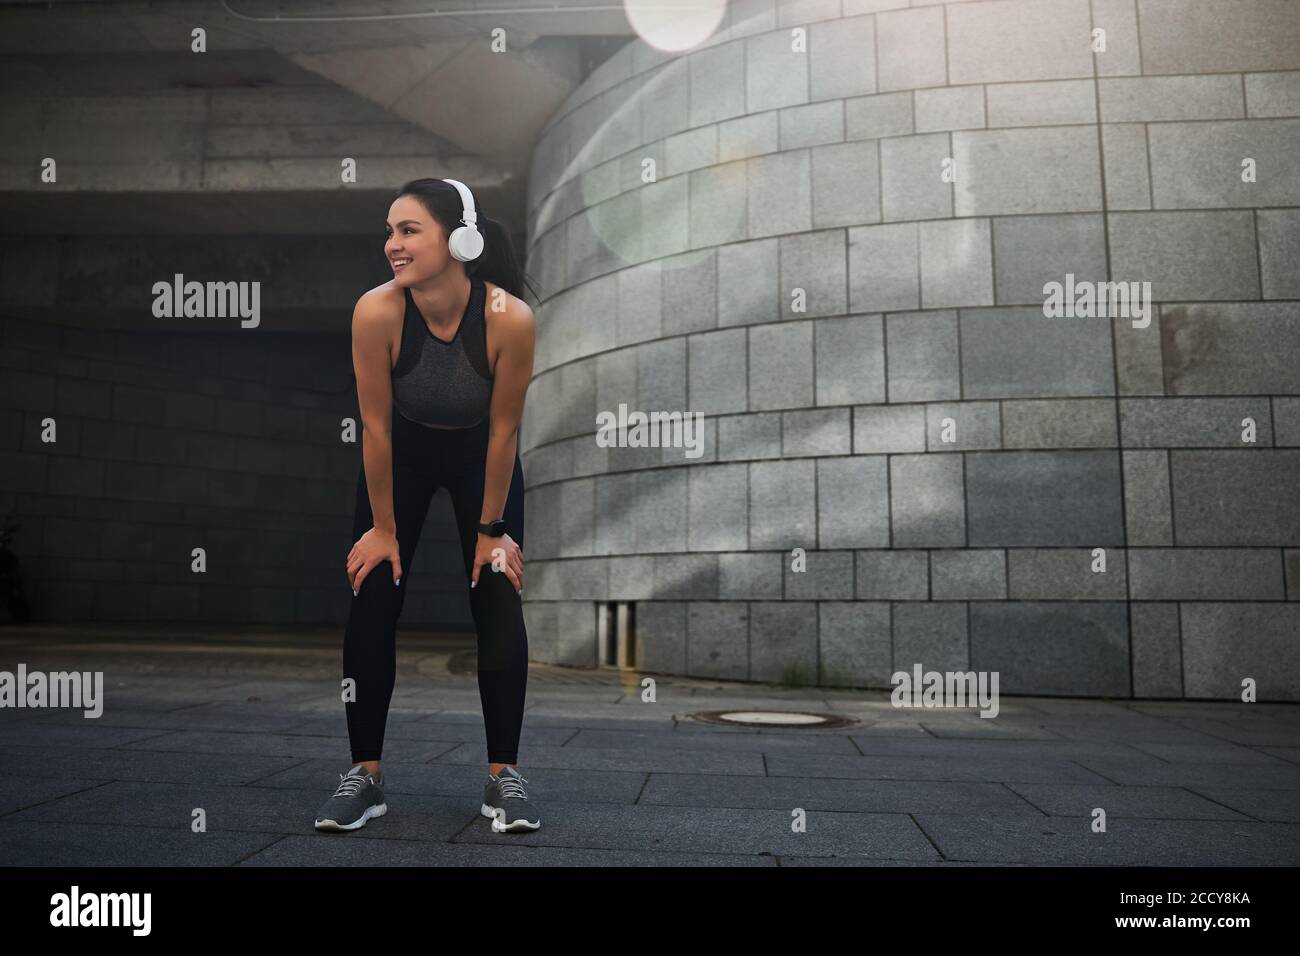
[371,363]
[514,370]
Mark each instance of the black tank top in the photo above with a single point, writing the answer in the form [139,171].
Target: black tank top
[440,383]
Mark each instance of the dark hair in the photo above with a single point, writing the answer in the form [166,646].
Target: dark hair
[497,262]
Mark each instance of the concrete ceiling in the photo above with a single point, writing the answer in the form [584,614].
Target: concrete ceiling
[250,135]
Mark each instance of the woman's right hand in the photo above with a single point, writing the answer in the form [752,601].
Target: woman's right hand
[372,547]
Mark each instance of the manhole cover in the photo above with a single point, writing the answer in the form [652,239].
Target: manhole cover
[772,718]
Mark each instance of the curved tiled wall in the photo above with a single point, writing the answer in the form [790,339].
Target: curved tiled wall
[839,259]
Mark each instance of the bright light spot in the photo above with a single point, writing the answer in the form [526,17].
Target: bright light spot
[674,25]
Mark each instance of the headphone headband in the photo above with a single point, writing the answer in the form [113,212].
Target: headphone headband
[465,241]
[469,216]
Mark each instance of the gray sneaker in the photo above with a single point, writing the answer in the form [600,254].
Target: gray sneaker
[505,801]
[357,799]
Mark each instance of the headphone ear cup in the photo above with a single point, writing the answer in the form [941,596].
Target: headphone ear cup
[453,243]
[466,244]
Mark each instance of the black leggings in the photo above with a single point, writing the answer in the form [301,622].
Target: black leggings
[425,459]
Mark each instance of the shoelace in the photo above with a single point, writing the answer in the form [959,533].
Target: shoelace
[350,786]
[510,787]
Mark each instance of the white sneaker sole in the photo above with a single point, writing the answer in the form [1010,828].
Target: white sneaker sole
[374,811]
[499,827]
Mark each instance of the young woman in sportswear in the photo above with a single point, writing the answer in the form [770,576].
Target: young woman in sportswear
[443,354]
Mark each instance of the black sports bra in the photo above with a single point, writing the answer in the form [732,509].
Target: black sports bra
[439,383]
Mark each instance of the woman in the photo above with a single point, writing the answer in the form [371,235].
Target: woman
[441,390]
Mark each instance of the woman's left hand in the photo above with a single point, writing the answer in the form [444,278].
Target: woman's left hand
[506,554]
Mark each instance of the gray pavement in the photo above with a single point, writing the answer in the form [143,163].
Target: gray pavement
[248,726]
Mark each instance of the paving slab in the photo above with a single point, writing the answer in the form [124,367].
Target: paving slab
[880,796]
[1170,803]
[972,767]
[284,745]
[1155,773]
[250,728]
[60,843]
[315,851]
[808,742]
[320,777]
[18,791]
[694,829]
[1276,806]
[1125,842]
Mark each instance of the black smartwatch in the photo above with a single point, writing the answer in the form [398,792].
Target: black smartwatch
[493,529]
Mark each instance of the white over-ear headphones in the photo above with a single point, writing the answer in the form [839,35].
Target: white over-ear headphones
[465,242]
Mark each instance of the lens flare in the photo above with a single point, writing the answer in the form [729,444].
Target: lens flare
[674,25]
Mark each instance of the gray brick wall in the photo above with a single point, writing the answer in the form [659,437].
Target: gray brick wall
[868,338]
[170,441]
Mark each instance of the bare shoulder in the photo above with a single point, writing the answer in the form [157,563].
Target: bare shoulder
[508,312]
[380,308]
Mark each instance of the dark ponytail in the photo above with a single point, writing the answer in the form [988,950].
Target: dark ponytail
[497,263]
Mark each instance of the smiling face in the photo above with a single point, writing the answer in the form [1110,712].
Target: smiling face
[416,244]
